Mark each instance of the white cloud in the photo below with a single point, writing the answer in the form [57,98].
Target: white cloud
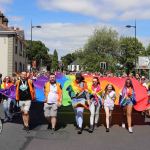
[102,9]
[3,4]
[68,37]
[15,18]
[65,37]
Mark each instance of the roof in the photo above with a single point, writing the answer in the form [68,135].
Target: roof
[74,63]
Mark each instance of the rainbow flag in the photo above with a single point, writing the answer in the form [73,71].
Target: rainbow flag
[67,80]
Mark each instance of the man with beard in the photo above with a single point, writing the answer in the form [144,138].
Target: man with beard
[25,92]
[53,100]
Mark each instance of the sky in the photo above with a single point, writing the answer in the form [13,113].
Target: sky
[67,24]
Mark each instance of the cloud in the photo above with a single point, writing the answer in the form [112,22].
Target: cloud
[65,37]
[3,4]
[101,9]
[15,18]
[68,37]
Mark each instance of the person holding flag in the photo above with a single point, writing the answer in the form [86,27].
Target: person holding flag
[95,103]
[25,93]
[78,91]
[127,100]
[53,100]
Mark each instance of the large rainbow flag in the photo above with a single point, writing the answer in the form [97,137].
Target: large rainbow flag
[66,80]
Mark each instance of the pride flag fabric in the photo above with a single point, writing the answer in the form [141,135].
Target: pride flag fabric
[67,80]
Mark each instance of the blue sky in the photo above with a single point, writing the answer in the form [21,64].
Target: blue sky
[67,24]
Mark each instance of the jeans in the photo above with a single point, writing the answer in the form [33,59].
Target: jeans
[6,107]
[79,112]
[94,110]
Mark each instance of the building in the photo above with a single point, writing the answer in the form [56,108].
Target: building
[12,48]
[74,66]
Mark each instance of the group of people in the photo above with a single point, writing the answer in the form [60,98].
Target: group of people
[81,99]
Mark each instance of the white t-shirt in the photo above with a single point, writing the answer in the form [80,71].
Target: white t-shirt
[52,96]
[109,99]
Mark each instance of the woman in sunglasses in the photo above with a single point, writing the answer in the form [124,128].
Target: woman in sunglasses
[127,100]
[95,103]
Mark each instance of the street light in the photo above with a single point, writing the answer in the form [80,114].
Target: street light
[37,26]
[133,26]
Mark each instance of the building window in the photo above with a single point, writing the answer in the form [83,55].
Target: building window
[20,67]
[21,49]
[23,67]
[16,67]
[16,46]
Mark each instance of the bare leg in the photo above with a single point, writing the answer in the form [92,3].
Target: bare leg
[107,116]
[53,122]
[129,113]
[25,117]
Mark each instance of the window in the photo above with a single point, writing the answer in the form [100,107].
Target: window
[16,46]
[20,67]
[16,70]
[21,46]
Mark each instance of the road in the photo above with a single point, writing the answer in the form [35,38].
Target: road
[66,137]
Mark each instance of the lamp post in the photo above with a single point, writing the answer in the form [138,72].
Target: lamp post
[37,26]
[133,26]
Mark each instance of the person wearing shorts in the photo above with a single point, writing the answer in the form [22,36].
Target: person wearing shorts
[53,95]
[108,101]
[127,101]
[25,93]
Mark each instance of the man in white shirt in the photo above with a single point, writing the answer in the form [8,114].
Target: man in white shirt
[53,100]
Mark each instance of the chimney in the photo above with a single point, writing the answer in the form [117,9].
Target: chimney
[17,29]
[12,28]
[5,21]
[1,17]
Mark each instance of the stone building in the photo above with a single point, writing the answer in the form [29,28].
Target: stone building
[12,48]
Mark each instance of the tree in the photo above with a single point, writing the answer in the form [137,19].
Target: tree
[129,52]
[55,63]
[67,59]
[38,52]
[102,46]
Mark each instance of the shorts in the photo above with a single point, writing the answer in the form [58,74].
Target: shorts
[128,103]
[25,105]
[50,110]
[110,107]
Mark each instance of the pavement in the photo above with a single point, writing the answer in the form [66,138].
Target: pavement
[66,137]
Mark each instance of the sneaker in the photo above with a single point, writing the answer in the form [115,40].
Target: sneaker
[130,130]
[6,120]
[107,130]
[123,125]
[79,131]
[91,129]
[96,125]
[26,128]
[53,130]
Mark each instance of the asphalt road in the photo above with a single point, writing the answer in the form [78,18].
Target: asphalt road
[66,137]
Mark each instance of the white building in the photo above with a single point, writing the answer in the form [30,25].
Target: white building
[74,66]
[12,48]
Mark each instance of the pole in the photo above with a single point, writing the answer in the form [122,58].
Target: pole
[31,45]
[135,45]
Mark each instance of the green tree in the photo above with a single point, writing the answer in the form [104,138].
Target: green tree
[102,46]
[55,63]
[38,52]
[129,52]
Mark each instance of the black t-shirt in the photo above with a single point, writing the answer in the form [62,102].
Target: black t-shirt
[24,91]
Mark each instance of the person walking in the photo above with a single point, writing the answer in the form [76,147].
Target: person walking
[108,101]
[53,100]
[78,92]
[6,100]
[25,93]
[95,103]
[127,100]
